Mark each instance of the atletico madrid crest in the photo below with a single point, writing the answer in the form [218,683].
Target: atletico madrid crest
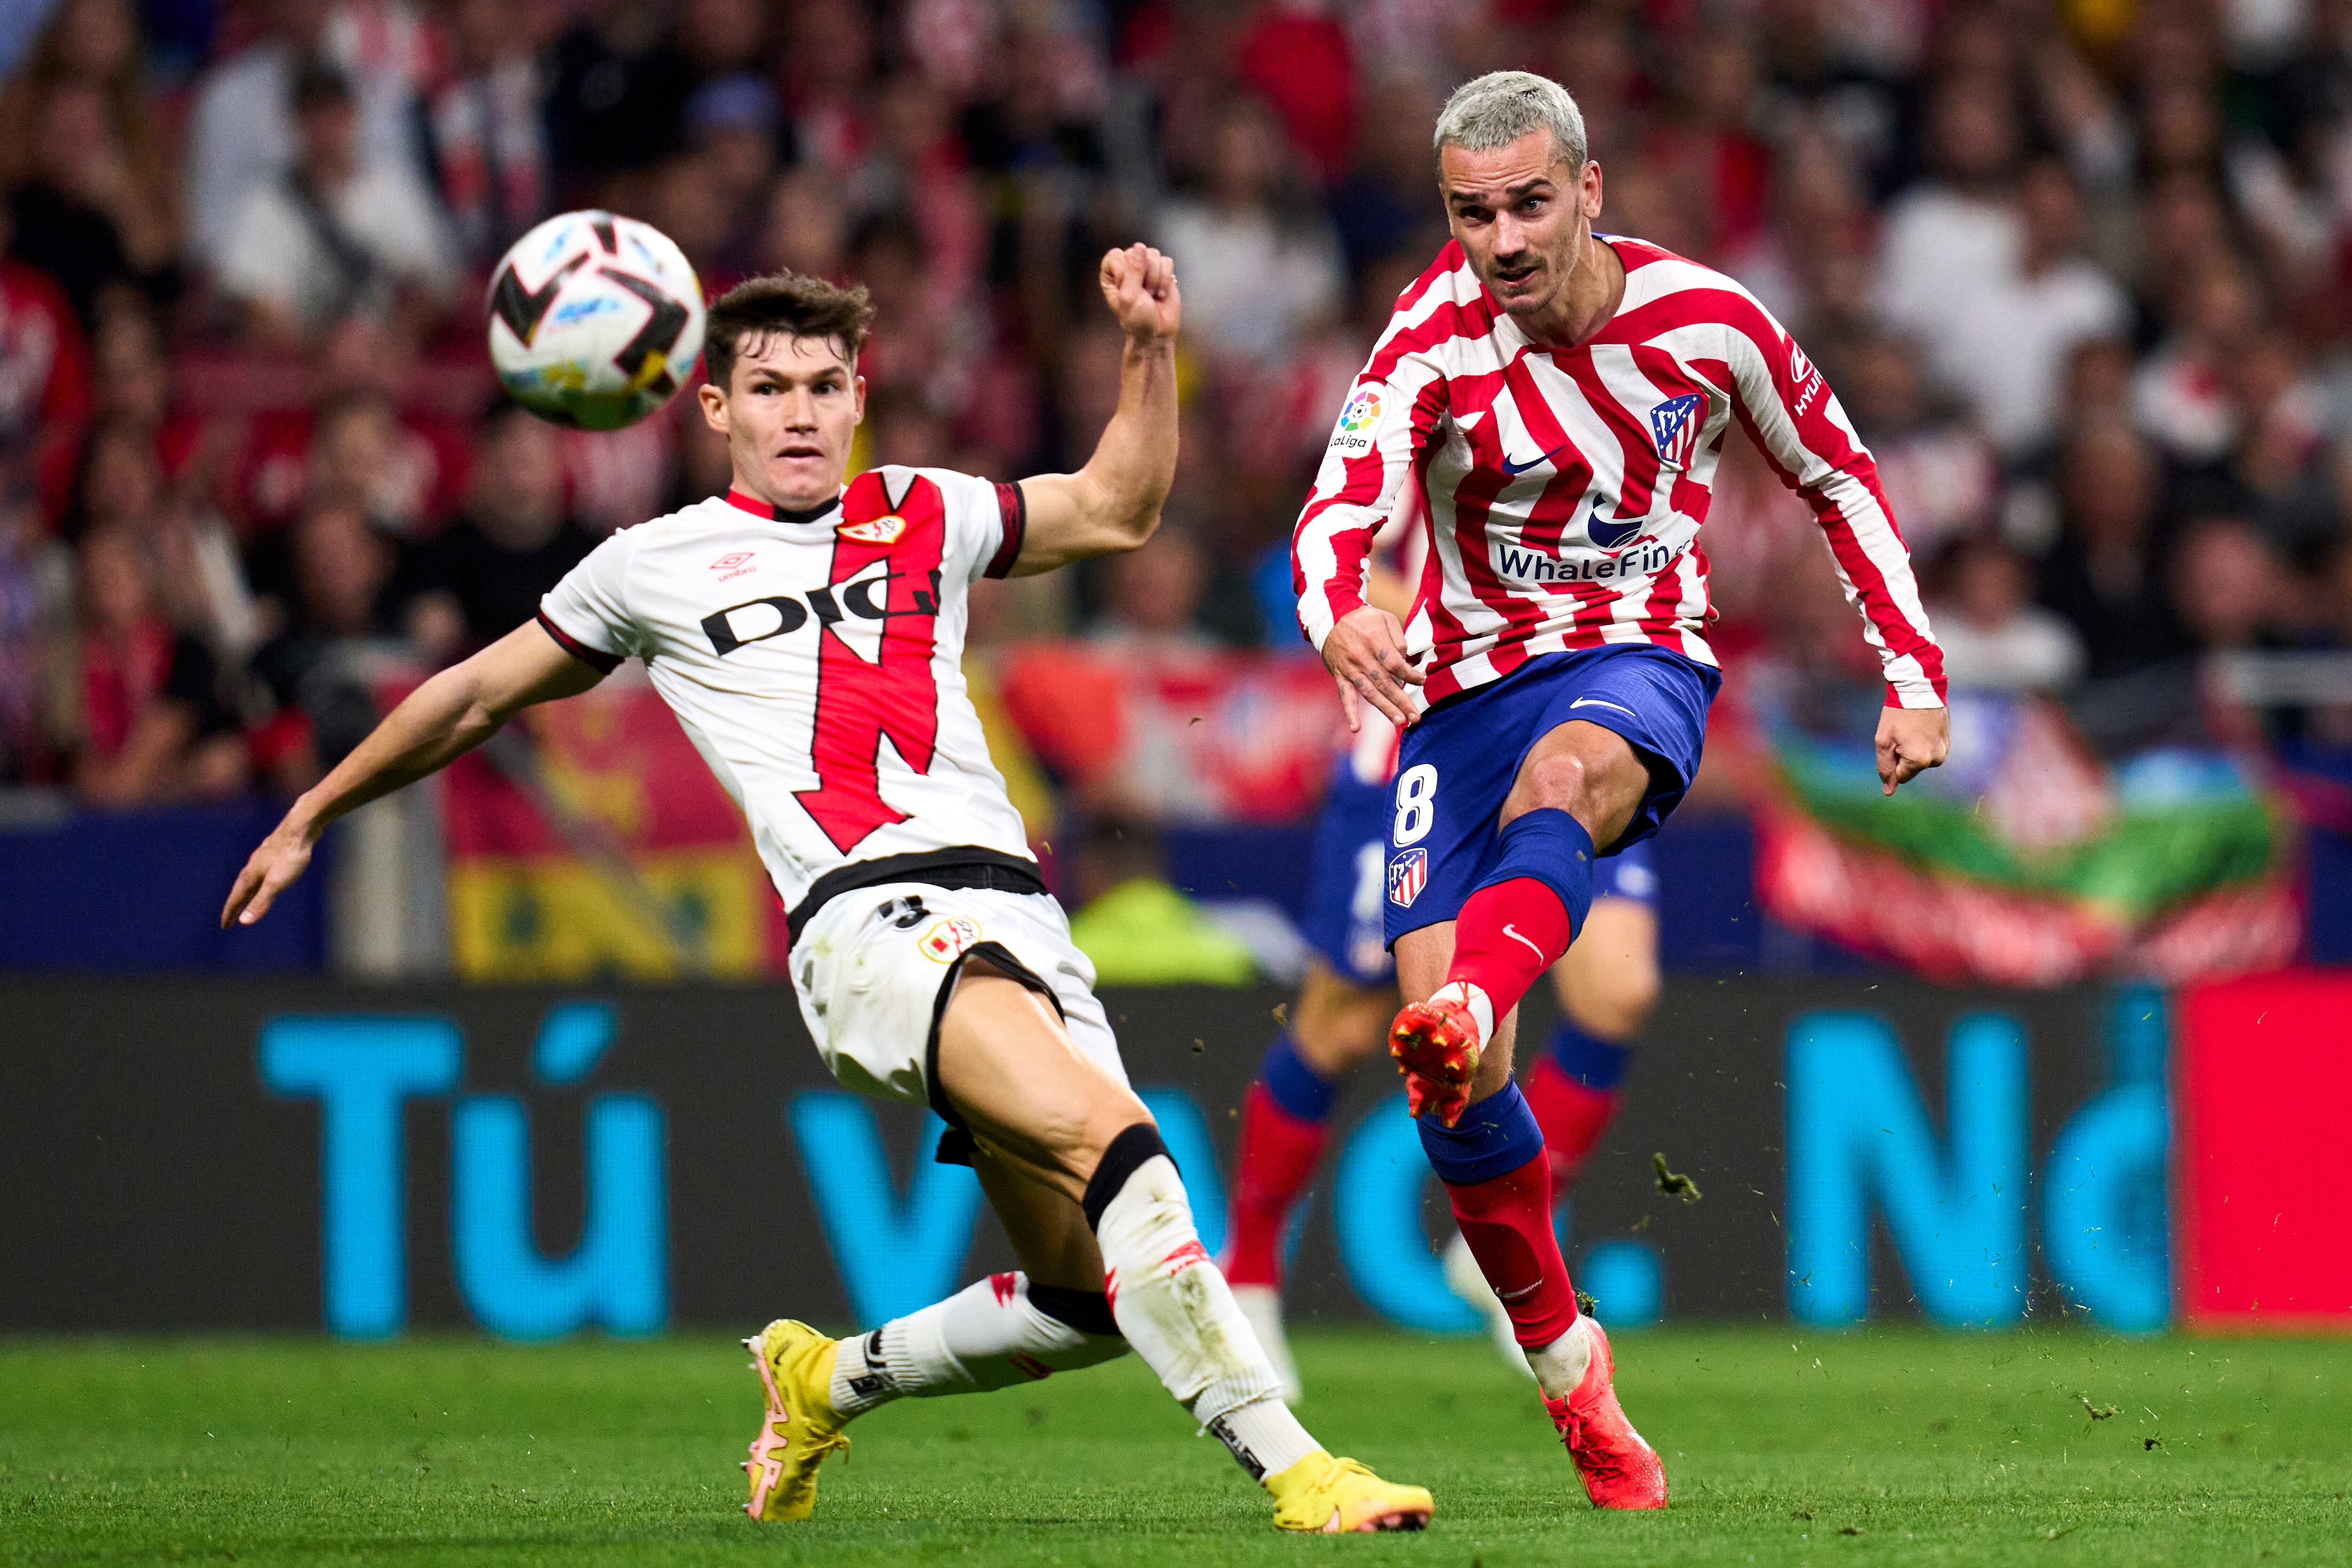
[1675,425]
[1408,874]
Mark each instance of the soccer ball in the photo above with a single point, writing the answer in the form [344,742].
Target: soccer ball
[595,321]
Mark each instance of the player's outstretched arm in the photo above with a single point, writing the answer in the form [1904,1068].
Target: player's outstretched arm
[440,722]
[1113,503]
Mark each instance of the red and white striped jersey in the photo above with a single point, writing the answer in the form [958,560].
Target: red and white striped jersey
[1565,488]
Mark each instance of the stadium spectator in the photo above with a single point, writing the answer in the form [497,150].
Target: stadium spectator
[337,636]
[1257,259]
[1382,206]
[913,166]
[807,228]
[83,160]
[489,138]
[826,75]
[242,134]
[1709,146]
[131,368]
[201,578]
[732,126]
[1995,639]
[34,585]
[617,104]
[2281,472]
[484,574]
[2229,586]
[722,38]
[1951,236]
[1152,601]
[2102,574]
[45,391]
[2181,393]
[1940,475]
[148,723]
[1295,58]
[333,237]
[2011,361]
[360,452]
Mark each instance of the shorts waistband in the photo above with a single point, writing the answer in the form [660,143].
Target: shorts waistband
[965,866]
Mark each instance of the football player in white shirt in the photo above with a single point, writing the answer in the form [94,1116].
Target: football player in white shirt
[809,637]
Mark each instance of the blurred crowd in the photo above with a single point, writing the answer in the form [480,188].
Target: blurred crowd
[2081,273]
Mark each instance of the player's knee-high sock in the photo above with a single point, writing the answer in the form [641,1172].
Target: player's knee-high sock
[1285,1123]
[1573,1091]
[1522,917]
[1492,1162]
[1002,1330]
[1176,1310]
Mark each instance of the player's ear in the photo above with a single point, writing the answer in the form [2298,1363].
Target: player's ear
[858,388]
[714,406]
[1589,192]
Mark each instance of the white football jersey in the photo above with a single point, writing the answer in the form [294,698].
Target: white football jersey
[815,660]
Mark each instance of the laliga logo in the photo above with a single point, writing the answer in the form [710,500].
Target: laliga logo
[1363,411]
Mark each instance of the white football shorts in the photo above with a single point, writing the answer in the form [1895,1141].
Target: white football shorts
[872,972]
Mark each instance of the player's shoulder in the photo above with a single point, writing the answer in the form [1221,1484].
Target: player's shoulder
[897,482]
[1444,305]
[893,490]
[712,514]
[1669,290]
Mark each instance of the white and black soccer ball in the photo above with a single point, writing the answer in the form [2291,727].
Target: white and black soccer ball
[595,321]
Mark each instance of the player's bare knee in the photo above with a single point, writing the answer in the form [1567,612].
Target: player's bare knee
[1336,1025]
[1093,1125]
[1559,783]
[1618,1004]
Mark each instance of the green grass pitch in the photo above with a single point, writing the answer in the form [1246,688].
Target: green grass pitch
[1783,1447]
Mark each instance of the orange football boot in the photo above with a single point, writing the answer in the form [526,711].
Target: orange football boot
[1619,1469]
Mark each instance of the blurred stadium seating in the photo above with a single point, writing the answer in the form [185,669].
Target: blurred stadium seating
[2082,276]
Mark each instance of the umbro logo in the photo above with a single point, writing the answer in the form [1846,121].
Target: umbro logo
[728,562]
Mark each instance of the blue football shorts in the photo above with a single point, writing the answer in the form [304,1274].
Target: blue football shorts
[1460,759]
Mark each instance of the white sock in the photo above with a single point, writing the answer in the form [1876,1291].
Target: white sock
[987,1335]
[1560,1365]
[1176,1310]
[1475,997]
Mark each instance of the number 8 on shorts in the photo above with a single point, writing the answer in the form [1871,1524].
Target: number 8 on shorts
[1416,805]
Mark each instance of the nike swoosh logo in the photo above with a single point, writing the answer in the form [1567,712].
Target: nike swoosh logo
[1596,702]
[1522,1293]
[1512,932]
[1516,470]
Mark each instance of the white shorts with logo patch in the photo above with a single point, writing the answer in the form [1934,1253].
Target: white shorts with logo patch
[871,969]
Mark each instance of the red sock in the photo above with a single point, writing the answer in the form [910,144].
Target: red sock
[1505,937]
[1277,1156]
[1507,1221]
[1572,1115]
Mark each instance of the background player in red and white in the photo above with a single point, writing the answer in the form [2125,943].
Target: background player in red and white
[809,639]
[1560,399]
[1606,984]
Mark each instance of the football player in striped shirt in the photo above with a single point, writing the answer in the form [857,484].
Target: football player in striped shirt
[1606,985]
[1558,399]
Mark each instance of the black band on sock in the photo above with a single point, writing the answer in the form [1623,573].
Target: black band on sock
[1128,1151]
[1223,1431]
[1089,1311]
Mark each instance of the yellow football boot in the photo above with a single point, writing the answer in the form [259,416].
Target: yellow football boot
[1335,1496]
[795,1367]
